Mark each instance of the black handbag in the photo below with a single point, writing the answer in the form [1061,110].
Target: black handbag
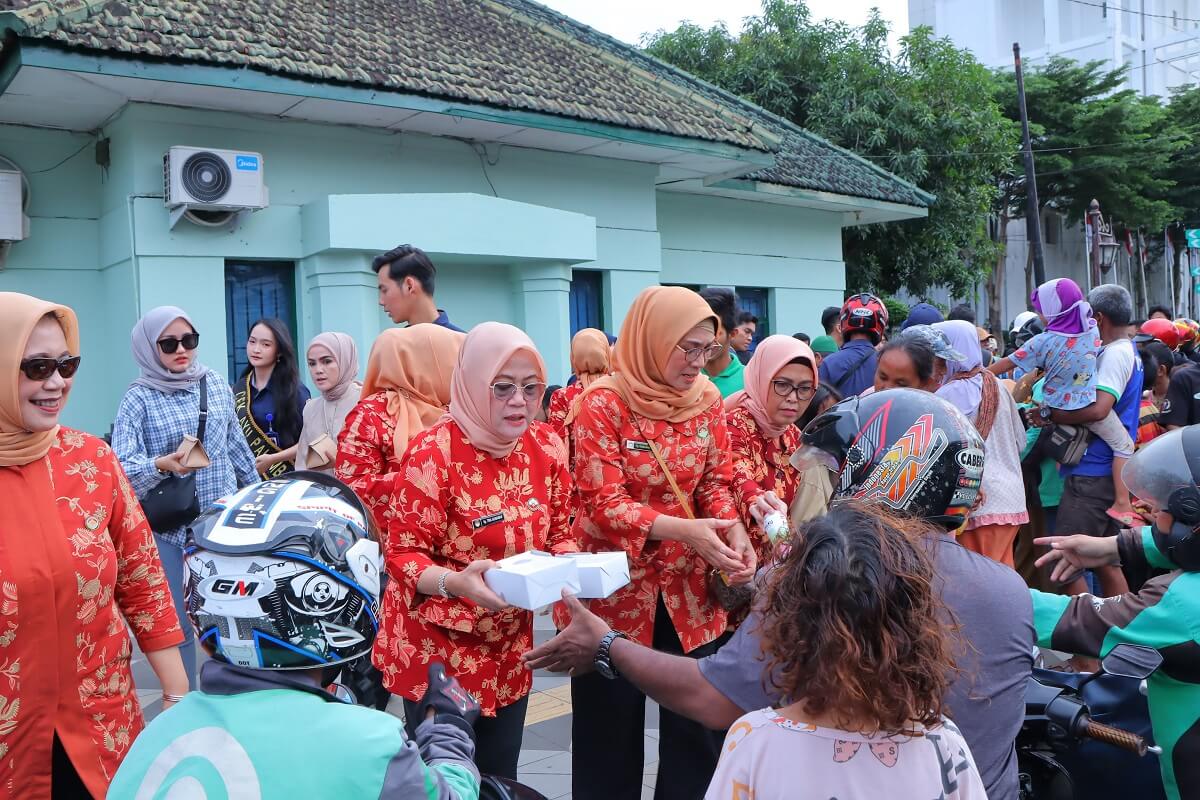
[173,502]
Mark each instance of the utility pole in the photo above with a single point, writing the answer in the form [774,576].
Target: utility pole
[1033,220]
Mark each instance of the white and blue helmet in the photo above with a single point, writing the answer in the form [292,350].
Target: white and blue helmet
[284,574]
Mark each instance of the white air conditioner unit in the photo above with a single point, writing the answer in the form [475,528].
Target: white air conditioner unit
[201,179]
[14,225]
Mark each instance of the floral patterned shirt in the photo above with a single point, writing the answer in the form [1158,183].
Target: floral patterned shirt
[556,416]
[67,590]
[760,465]
[365,457]
[454,504]
[623,490]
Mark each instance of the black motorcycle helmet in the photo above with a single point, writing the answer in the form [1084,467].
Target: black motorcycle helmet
[906,448]
[1166,474]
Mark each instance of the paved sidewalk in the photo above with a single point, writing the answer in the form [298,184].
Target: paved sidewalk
[545,762]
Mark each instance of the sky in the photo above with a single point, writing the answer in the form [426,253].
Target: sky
[627,20]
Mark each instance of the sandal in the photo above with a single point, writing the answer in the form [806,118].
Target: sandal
[1127,519]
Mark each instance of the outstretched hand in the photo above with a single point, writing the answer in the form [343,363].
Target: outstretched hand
[573,650]
[1071,555]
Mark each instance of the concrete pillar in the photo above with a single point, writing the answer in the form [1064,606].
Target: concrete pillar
[544,295]
[338,292]
[621,286]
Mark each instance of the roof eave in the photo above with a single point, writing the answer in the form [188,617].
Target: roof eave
[854,210]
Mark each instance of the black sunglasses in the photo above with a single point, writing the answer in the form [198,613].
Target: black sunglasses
[39,369]
[170,344]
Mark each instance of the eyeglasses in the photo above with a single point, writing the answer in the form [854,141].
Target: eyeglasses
[39,369]
[707,352]
[170,344]
[802,391]
[503,390]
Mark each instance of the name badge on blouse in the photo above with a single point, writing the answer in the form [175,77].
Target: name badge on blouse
[641,447]
[490,519]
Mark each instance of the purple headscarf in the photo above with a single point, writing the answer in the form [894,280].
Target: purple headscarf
[1061,302]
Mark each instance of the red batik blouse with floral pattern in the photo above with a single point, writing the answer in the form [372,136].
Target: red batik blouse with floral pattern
[623,490]
[454,504]
[556,416]
[65,598]
[761,465]
[366,458]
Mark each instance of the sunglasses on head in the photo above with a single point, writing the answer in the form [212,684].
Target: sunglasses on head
[169,344]
[39,369]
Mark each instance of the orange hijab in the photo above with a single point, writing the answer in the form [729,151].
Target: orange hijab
[589,356]
[659,317]
[772,354]
[413,366]
[488,346]
[19,315]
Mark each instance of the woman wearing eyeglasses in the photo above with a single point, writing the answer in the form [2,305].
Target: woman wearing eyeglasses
[159,409]
[482,484]
[79,573]
[653,474]
[781,378]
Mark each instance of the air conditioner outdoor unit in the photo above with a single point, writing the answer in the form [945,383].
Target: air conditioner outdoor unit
[201,179]
[14,225]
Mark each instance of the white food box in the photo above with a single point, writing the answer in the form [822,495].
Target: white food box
[600,574]
[532,580]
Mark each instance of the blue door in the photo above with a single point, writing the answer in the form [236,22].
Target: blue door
[587,300]
[253,290]
[754,300]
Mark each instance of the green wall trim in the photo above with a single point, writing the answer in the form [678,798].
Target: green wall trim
[51,57]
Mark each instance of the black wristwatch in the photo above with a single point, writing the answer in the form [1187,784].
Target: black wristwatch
[1044,412]
[602,661]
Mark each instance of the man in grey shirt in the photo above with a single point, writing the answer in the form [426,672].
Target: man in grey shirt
[988,601]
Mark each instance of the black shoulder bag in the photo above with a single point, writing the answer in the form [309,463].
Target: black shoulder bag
[173,502]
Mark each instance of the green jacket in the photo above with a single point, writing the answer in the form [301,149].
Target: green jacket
[271,735]
[1165,615]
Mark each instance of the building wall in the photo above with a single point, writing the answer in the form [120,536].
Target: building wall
[100,239]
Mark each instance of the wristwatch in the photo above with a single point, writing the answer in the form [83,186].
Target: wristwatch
[603,662]
[1044,412]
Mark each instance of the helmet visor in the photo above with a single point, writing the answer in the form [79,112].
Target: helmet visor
[1162,466]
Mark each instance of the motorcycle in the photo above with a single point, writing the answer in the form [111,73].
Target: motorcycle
[1065,747]
[493,788]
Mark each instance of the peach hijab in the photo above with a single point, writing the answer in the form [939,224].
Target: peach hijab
[19,315]
[413,367]
[772,354]
[590,356]
[659,317]
[488,346]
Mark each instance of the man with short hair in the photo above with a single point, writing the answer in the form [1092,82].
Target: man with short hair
[1160,312]
[406,287]
[962,311]
[742,339]
[1088,490]
[829,321]
[723,369]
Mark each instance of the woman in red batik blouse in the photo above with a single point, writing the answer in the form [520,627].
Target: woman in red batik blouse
[482,484]
[780,381]
[657,404]
[589,362]
[77,565]
[407,389]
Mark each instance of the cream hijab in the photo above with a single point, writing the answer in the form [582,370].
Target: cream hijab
[19,315]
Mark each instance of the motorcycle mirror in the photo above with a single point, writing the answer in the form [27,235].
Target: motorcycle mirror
[1132,661]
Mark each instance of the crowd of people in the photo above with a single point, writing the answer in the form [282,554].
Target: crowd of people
[832,542]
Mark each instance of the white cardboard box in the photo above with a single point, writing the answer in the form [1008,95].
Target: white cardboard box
[600,574]
[532,580]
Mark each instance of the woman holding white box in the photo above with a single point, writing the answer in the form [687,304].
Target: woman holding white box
[653,471]
[482,484]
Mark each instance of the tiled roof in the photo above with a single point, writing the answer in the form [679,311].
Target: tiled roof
[511,54]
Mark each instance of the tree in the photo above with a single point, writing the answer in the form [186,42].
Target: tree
[1184,168]
[927,115]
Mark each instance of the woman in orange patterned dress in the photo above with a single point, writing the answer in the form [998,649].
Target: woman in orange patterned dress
[482,484]
[407,389]
[589,362]
[781,379]
[77,563]
[657,404]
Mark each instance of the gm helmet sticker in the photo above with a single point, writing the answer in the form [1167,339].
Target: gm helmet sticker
[902,471]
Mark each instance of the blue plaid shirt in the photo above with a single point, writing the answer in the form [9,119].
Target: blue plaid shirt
[151,423]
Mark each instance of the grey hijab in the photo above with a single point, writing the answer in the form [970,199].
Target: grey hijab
[144,339]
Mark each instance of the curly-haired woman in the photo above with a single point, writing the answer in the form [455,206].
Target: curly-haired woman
[856,642]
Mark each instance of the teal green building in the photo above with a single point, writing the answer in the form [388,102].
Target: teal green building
[550,171]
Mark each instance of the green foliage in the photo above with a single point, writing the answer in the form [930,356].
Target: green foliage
[897,311]
[927,115]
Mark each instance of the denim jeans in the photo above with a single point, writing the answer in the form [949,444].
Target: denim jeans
[172,560]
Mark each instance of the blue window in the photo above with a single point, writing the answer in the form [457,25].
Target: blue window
[754,301]
[253,290]
[587,300]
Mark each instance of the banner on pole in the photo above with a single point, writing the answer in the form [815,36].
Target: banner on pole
[1193,237]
